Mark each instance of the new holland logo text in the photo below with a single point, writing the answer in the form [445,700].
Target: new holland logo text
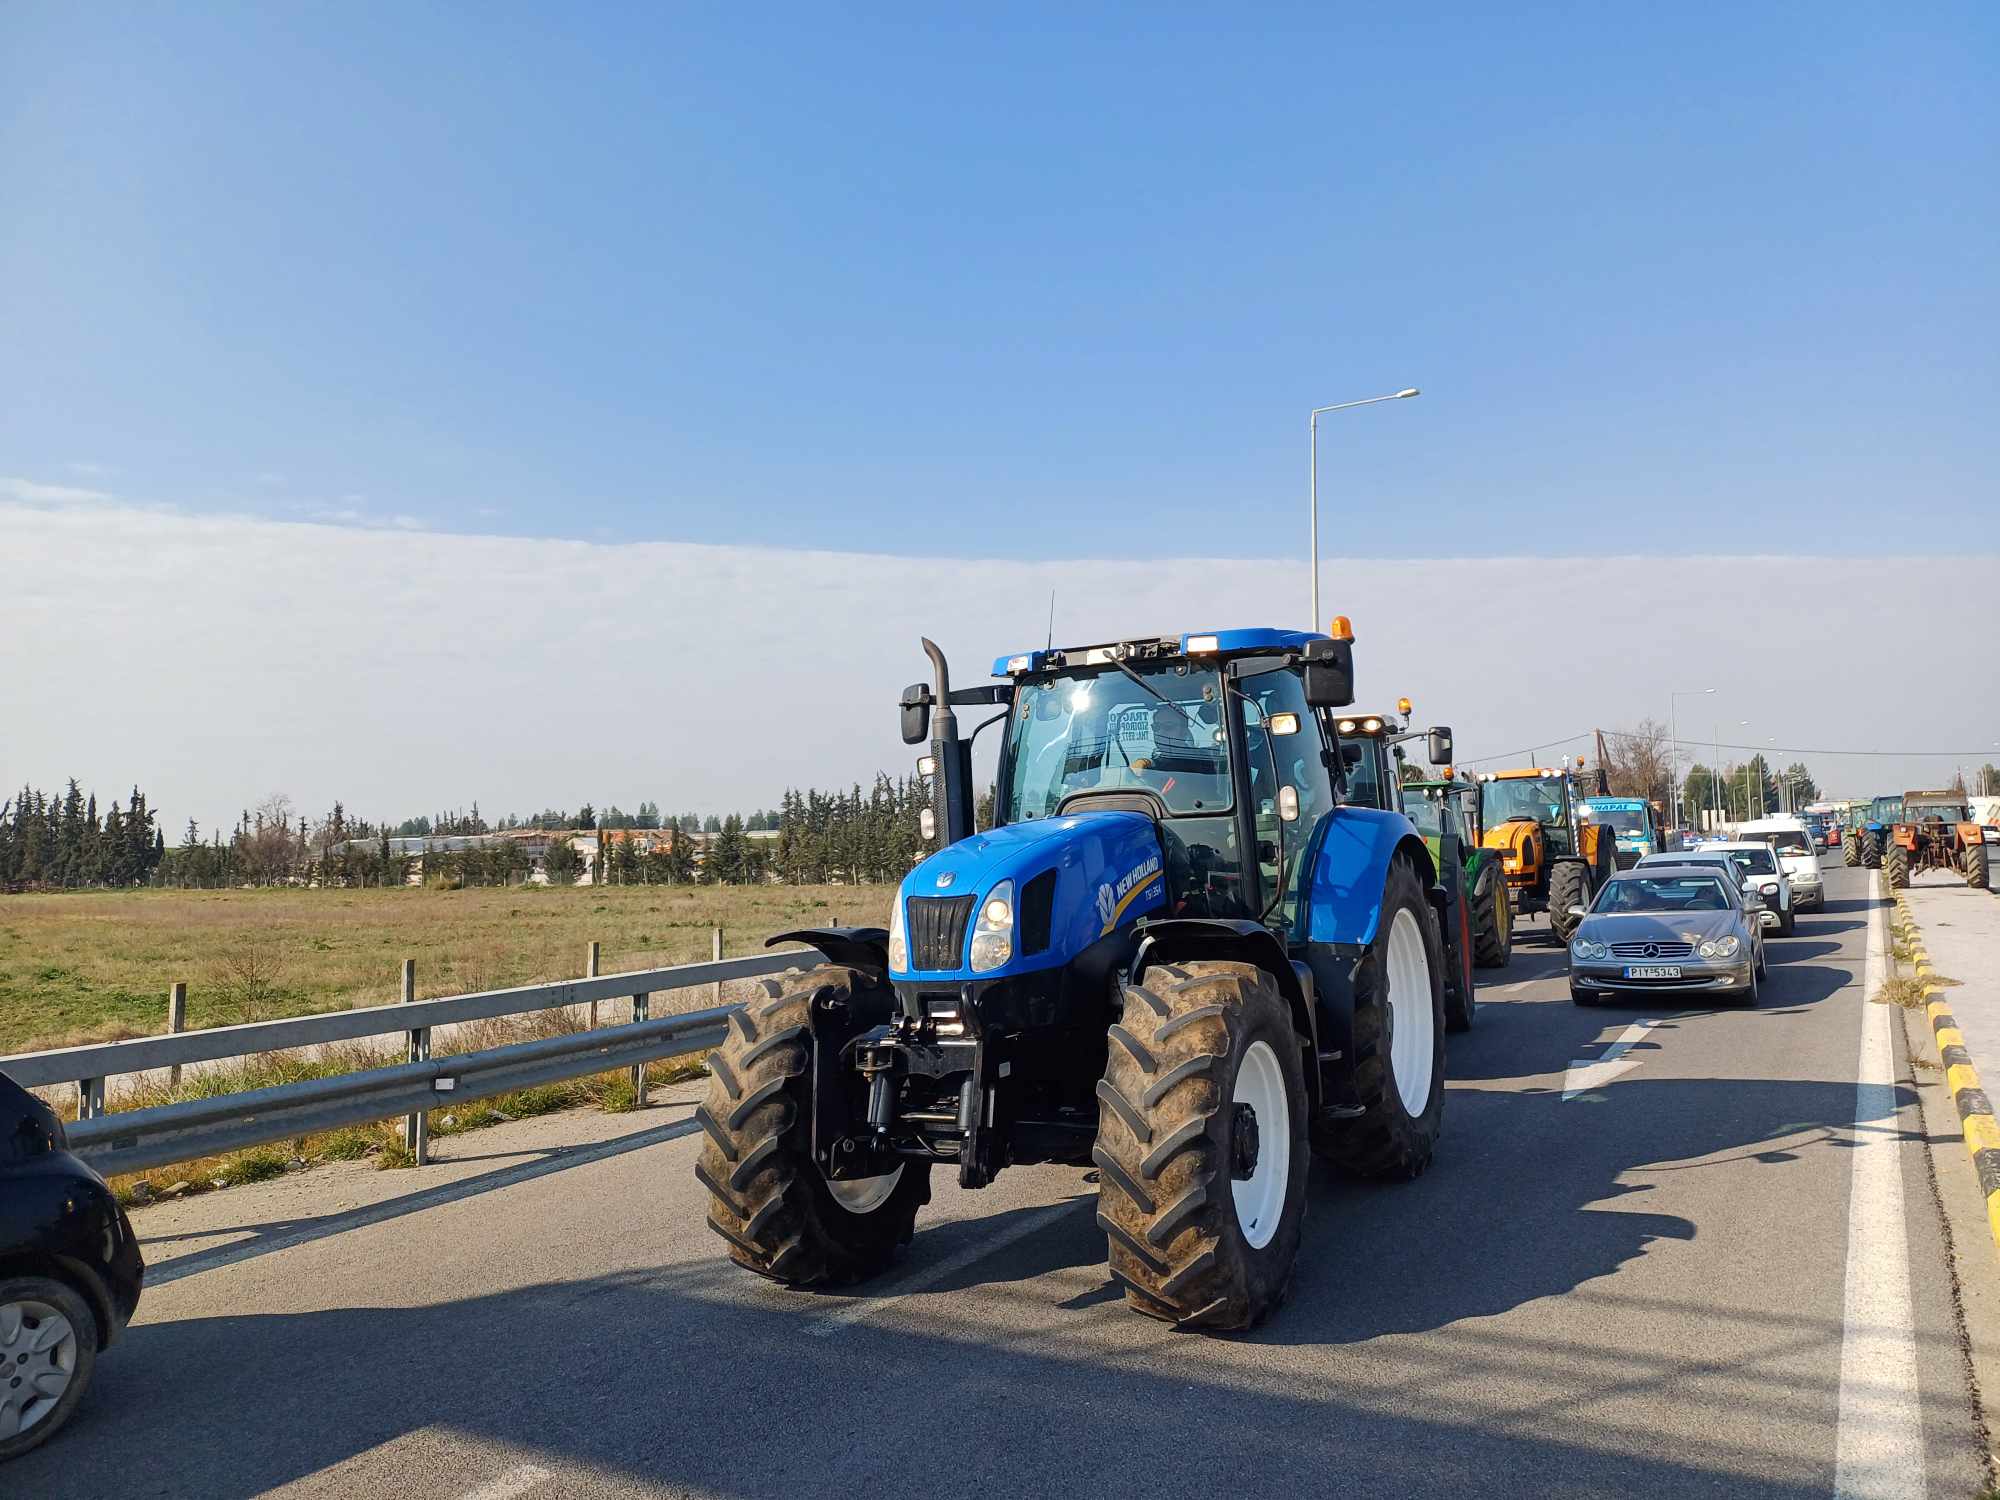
[1112,901]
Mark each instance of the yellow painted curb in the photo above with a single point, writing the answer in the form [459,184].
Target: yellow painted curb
[1949,1036]
[1960,1076]
[1982,1133]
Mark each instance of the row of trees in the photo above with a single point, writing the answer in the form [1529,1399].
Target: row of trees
[61,843]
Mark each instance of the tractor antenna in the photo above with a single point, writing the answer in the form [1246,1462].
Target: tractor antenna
[1052,621]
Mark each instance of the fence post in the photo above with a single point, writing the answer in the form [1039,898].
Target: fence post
[591,971]
[715,952]
[417,1126]
[177,1019]
[89,1098]
[642,1009]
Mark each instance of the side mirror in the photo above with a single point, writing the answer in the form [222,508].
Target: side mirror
[1350,752]
[1579,911]
[1327,674]
[1440,746]
[916,713]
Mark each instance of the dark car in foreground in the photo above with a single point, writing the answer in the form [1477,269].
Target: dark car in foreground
[1680,929]
[70,1272]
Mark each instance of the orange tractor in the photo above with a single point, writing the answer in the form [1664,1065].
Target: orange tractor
[1554,855]
[1936,832]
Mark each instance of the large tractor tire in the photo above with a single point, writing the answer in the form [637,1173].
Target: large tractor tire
[1493,923]
[1398,1042]
[768,1198]
[1896,867]
[1973,863]
[1461,997]
[1871,849]
[1201,1145]
[1569,885]
[1850,849]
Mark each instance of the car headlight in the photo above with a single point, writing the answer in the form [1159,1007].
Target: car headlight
[899,942]
[993,934]
[1587,950]
[1725,947]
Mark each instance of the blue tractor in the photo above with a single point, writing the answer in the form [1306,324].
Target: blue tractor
[1176,956]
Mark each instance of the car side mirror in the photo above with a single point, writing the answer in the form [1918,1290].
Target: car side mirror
[1327,674]
[1579,911]
[916,713]
[1440,746]
[1753,900]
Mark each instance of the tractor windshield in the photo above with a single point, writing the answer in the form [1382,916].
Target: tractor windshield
[1102,731]
[1537,798]
[1620,819]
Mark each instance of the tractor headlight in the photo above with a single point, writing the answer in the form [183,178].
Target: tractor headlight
[993,934]
[899,942]
[1724,947]
[1588,951]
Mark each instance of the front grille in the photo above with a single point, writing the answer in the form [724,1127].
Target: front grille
[1652,950]
[937,930]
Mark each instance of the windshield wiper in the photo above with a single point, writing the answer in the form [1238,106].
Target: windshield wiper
[1154,691]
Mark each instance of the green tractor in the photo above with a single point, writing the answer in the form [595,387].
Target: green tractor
[1446,812]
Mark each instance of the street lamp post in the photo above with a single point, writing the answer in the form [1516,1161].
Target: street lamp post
[1674,744]
[1312,422]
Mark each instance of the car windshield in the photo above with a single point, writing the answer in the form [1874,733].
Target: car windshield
[1620,819]
[1788,841]
[1754,861]
[1101,731]
[1638,893]
[1535,797]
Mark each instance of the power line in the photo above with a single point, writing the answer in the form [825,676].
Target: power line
[1700,744]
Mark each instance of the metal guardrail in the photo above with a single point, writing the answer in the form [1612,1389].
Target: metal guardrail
[134,1140]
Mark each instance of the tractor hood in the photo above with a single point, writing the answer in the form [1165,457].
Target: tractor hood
[1071,881]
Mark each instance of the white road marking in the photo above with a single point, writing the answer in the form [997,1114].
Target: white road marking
[1587,1073]
[1879,1446]
[866,1307]
[515,1482]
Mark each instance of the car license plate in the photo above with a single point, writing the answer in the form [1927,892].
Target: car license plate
[1652,971]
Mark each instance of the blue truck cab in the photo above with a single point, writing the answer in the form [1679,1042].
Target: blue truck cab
[1175,954]
[1634,823]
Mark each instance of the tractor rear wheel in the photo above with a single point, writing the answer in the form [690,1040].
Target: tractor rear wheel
[1461,999]
[1201,1145]
[1569,885]
[1493,924]
[782,1216]
[1871,849]
[1850,849]
[1973,863]
[1896,867]
[1398,1042]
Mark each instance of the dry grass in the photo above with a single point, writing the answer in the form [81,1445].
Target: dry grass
[1901,990]
[95,966]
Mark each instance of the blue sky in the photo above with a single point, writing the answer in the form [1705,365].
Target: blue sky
[1022,282]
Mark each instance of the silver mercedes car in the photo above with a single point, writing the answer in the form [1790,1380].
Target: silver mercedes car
[1678,929]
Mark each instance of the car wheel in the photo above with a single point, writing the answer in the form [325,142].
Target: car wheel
[1581,997]
[1788,921]
[48,1346]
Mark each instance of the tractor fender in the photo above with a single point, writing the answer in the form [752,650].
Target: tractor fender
[854,947]
[1234,940]
[1350,866]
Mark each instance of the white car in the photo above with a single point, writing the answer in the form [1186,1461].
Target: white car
[1756,870]
[1798,858]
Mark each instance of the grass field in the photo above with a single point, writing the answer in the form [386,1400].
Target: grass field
[96,966]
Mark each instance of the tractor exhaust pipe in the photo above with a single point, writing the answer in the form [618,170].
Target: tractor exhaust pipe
[951,787]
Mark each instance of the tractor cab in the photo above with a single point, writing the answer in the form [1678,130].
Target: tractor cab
[1554,851]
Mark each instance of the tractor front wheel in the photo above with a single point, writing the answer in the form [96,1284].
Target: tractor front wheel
[782,1216]
[1871,849]
[1569,885]
[1201,1145]
[1461,999]
[1896,867]
[1973,864]
[1850,849]
[1398,1041]
[1493,924]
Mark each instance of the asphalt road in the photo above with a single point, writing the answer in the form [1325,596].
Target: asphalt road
[1714,1268]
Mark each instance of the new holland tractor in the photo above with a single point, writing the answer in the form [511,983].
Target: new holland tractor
[1936,833]
[1174,956]
[1554,854]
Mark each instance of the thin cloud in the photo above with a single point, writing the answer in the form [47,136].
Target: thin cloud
[30,492]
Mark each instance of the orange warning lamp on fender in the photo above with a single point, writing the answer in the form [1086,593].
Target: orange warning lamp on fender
[1342,628]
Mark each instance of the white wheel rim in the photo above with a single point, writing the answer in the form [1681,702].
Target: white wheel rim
[1260,1197]
[37,1363]
[1412,1028]
[863,1195]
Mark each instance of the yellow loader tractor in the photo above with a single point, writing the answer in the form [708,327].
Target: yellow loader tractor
[1555,857]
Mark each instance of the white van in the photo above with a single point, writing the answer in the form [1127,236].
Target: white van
[1792,842]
